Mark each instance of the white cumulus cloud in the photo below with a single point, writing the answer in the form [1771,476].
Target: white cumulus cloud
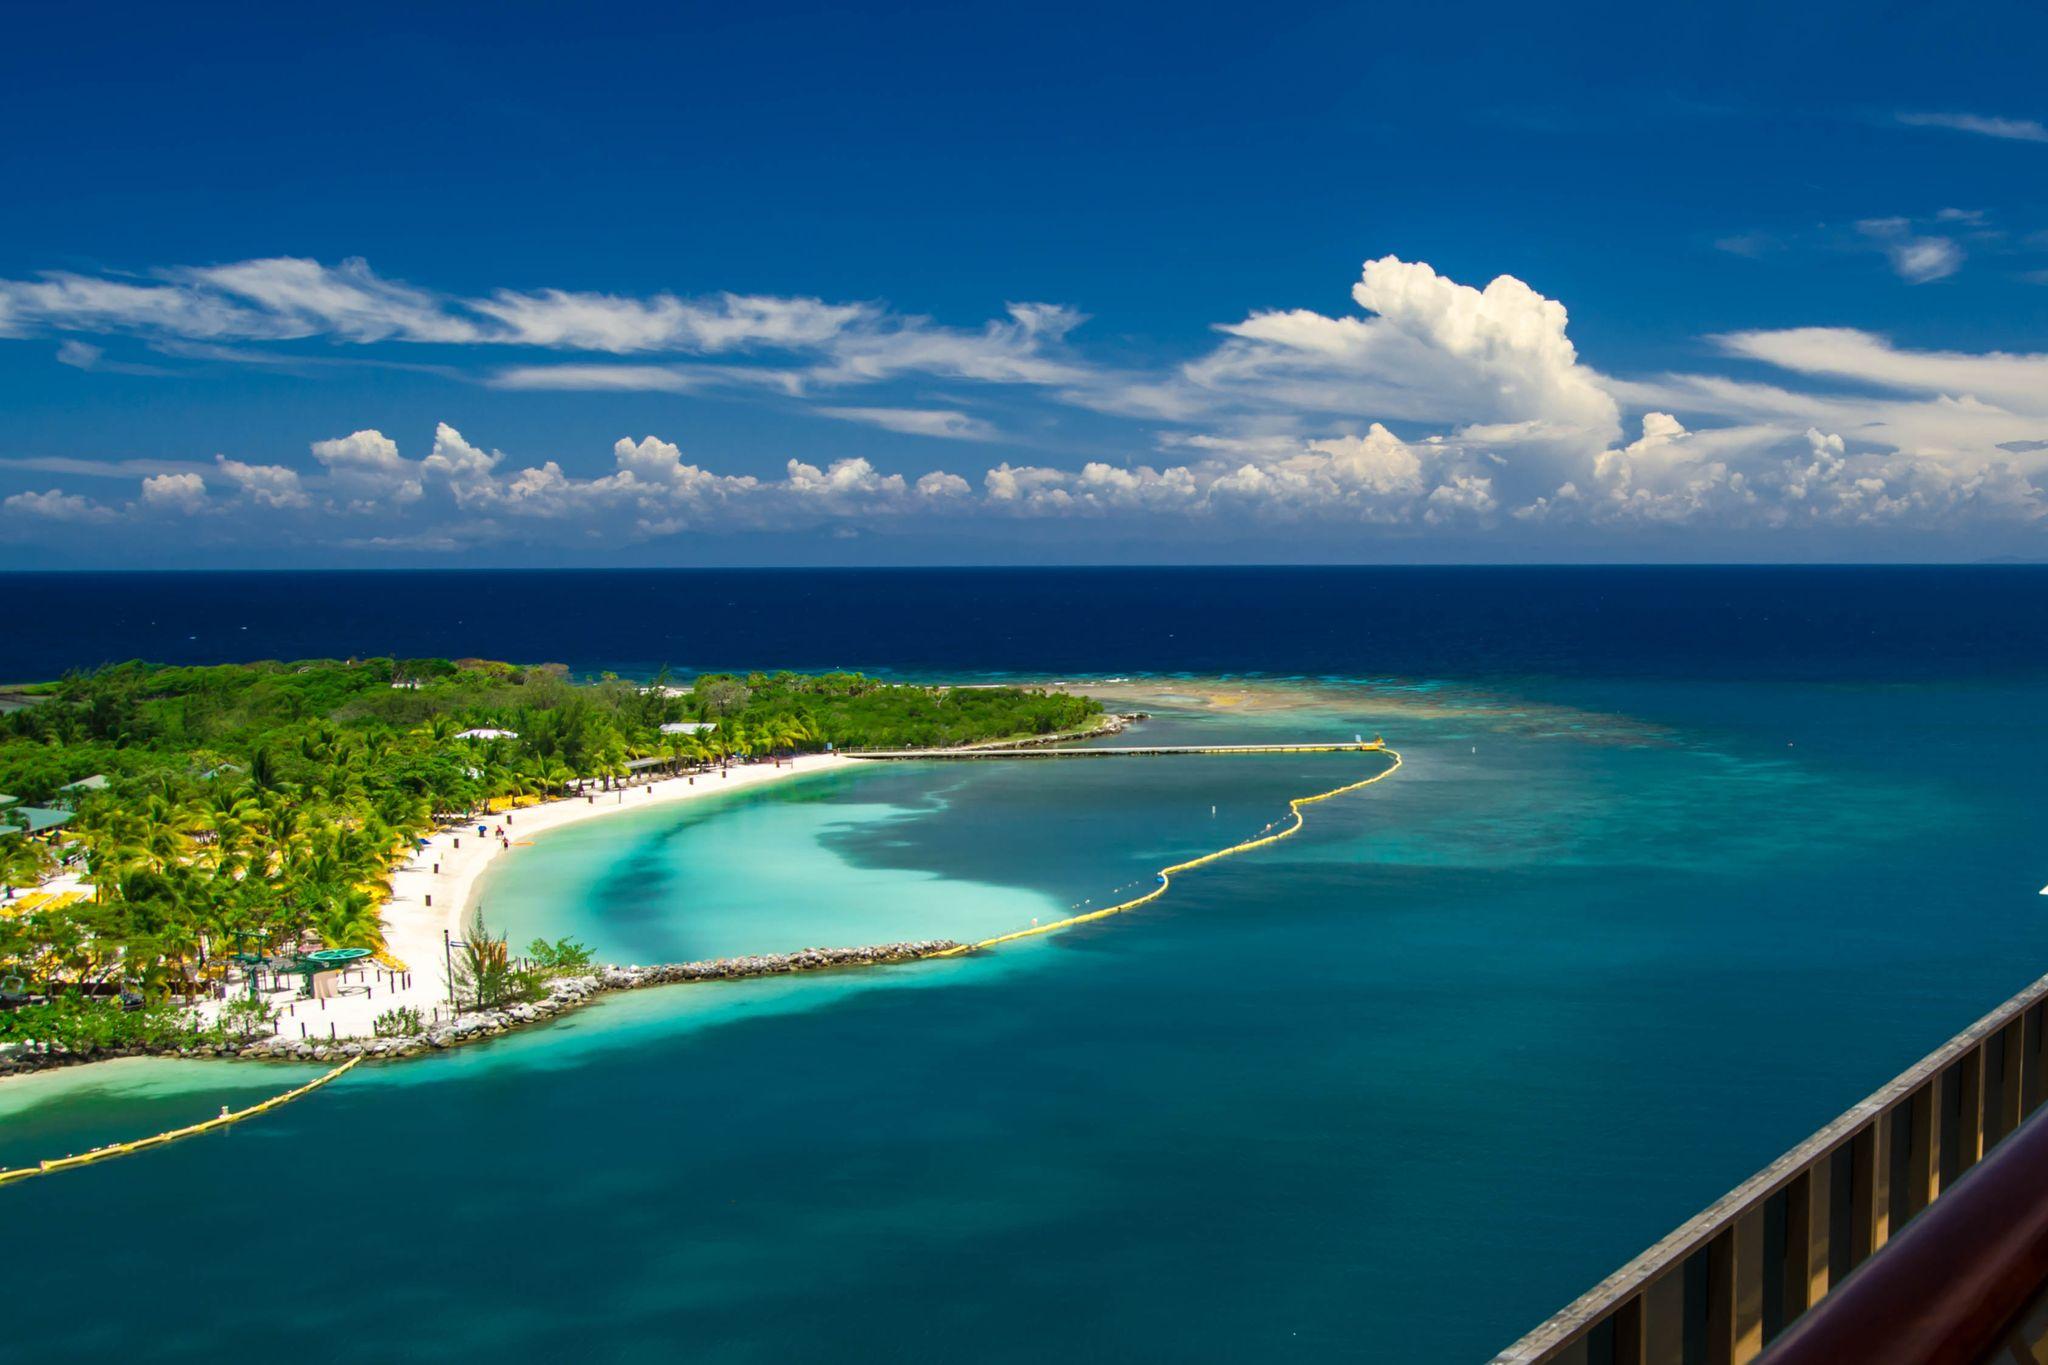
[364,470]
[181,493]
[265,485]
[56,505]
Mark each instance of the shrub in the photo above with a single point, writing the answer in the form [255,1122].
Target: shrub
[483,970]
[403,1022]
[90,1024]
[563,957]
[242,1020]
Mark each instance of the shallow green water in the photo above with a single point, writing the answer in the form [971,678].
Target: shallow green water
[1650,933]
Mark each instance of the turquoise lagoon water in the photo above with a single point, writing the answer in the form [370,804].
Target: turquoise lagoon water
[1392,1090]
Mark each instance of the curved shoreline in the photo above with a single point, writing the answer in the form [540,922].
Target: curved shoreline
[573,993]
[424,903]
[461,869]
[431,894]
[433,891]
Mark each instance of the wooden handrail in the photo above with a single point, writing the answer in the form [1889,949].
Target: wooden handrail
[1950,1286]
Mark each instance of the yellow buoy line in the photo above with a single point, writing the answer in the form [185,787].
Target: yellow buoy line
[115,1149]
[1165,874]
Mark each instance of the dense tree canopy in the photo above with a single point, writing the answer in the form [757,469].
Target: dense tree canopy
[262,806]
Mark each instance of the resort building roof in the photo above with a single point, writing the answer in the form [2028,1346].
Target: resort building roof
[686,727]
[488,734]
[33,819]
[84,786]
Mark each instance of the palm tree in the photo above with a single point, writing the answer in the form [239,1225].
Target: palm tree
[555,774]
[788,732]
[22,860]
[728,739]
[440,728]
[609,760]
[286,832]
[264,773]
[227,819]
[349,921]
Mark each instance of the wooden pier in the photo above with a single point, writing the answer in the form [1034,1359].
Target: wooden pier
[1111,751]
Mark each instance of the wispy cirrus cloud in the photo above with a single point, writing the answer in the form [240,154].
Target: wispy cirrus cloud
[2017,381]
[940,422]
[83,355]
[289,299]
[1983,125]
[1915,258]
[292,297]
[561,319]
[60,301]
[239,313]
[610,378]
[98,469]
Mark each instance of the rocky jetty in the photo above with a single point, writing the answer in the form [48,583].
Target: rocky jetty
[564,994]
[1114,723]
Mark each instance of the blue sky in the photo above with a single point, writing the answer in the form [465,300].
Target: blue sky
[415,285]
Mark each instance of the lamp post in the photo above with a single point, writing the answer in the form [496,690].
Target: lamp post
[448,947]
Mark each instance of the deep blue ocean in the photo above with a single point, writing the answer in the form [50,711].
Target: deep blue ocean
[1737,622]
[1681,863]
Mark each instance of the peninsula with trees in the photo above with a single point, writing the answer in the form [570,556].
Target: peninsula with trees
[170,836]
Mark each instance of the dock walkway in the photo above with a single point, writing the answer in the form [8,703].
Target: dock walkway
[1110,751]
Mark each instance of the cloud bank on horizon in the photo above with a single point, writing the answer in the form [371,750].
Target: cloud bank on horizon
[1438,407]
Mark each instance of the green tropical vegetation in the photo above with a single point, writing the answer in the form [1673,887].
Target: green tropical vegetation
[260,808]
[88,1024]
[487,975]
[402,1022]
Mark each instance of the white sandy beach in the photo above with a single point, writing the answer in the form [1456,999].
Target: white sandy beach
[424,902]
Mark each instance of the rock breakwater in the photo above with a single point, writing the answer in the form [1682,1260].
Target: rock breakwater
[564,994]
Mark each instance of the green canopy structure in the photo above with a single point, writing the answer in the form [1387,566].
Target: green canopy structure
[330,958]
[327,960]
